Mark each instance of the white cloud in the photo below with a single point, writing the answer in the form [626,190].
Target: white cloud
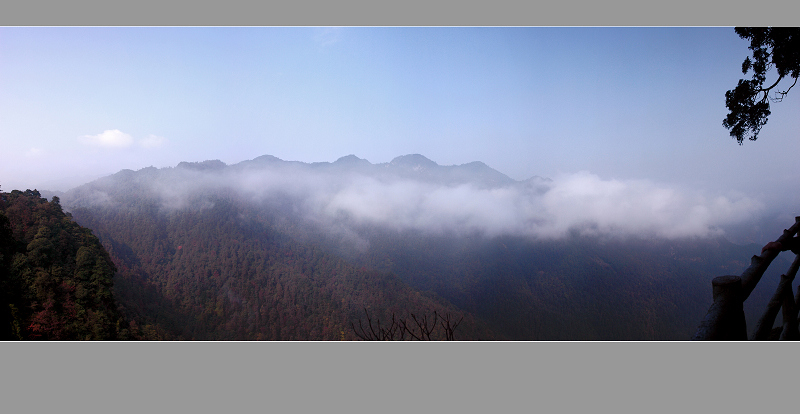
[581,203]
[111,138]
[588,204]
[152,141]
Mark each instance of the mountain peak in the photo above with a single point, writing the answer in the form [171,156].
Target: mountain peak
[415,161]
[351,159]
[475,165]
[266,158]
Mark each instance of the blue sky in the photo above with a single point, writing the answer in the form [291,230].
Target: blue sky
[621,103]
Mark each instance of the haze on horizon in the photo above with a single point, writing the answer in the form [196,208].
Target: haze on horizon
[351,197]
[613,105]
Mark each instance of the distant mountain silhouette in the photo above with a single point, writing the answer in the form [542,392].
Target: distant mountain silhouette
[259,250]
[413,166]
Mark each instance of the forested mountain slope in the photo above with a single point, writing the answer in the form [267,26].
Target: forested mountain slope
[579,288]
[218,270]
[55,277]
[270,249]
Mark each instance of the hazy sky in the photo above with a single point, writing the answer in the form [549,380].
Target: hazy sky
[618,103]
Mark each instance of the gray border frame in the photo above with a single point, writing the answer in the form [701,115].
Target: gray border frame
[394,13]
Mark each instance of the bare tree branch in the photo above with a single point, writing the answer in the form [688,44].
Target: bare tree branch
[423,328]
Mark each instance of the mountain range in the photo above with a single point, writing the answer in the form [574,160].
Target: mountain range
[285,250]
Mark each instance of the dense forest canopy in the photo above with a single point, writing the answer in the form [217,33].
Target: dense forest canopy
[56,279]
[202,251]
[210,251]
[218,269]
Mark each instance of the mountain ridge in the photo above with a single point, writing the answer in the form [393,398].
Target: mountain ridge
[185,235]
[403,164]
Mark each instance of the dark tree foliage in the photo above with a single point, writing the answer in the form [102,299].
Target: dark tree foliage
[216,269]
[573,289]
[773,48]
[7,314]
[55,277]
[220,266]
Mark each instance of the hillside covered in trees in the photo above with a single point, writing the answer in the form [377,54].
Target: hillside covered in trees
[195,275]
[56,280]
[207,251]
[253,251]
[218,273]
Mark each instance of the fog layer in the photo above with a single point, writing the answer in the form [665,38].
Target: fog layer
[413,193]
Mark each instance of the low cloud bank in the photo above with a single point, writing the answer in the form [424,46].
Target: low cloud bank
[586,203]
[580,203]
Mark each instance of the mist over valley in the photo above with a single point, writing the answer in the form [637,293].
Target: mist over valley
[414,193]
[207,250]
[558,182]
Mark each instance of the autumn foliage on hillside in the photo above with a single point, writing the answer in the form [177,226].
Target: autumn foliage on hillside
[204,252]
[217,269]
[56,277]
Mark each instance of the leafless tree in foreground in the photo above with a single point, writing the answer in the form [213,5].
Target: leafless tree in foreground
[417,328]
